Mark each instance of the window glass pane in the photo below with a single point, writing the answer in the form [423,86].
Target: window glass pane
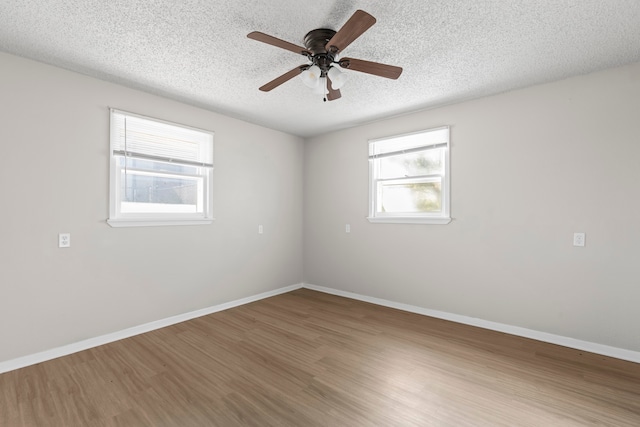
[151,165]
[160,193]
[414,197]
[428,162]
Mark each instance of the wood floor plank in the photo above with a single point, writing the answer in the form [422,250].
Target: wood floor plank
[311,359]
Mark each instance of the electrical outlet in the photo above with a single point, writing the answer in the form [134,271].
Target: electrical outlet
[347,228]
[260,229]
[578,239]
[64,240]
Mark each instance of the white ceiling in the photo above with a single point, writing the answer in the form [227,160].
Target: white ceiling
[197,51]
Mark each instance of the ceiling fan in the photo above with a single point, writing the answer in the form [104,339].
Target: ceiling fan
[322,49]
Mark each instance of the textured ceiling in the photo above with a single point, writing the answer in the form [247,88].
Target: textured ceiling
[197,51]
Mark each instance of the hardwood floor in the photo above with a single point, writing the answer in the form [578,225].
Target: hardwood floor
[311,359]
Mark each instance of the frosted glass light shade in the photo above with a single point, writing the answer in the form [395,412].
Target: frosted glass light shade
[338,78]
[311,76]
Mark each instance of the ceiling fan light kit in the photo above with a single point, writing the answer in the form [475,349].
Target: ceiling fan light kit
[322,47]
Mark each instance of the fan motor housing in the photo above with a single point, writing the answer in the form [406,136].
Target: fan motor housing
[315,41]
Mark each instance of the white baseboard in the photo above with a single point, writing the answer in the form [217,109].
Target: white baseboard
[32,359]
[65,350]
[605,350]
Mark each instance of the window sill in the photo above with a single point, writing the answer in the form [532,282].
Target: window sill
[409,220]
[155,222]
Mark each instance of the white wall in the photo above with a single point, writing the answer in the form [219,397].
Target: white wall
[529,168]
[54,134]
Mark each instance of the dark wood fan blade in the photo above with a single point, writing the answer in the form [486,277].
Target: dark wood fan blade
[333,93]
[359,22]
[274,41]
[283,78]
[375,68]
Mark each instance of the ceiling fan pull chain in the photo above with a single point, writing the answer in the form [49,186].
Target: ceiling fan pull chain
[324,89]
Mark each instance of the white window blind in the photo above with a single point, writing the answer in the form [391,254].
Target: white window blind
[410,143]
[138,137]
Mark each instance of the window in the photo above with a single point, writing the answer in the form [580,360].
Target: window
[409,178]
[161,173]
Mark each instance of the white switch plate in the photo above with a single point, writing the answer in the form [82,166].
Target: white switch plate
[347,228]
[64,240]
[260,229]
[578,239]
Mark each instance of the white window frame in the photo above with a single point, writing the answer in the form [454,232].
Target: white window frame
[159,216]
[442,217]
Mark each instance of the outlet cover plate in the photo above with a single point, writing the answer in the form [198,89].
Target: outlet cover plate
[64,240]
